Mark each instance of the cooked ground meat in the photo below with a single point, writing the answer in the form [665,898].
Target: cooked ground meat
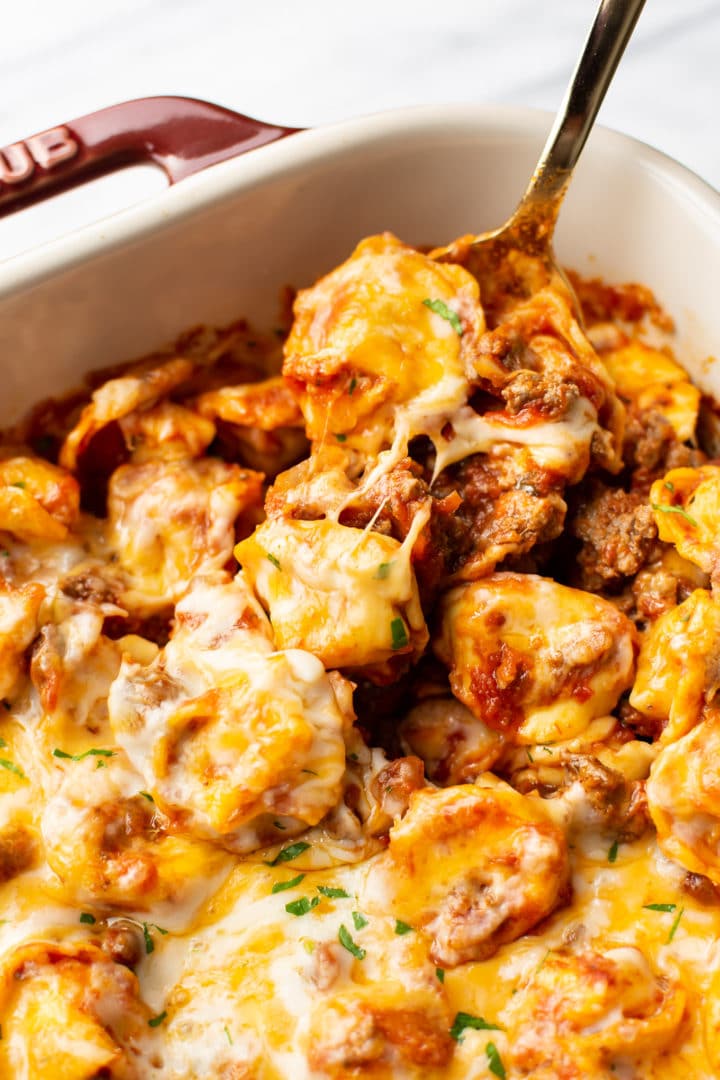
[548,393]
[651,448]
[617,530]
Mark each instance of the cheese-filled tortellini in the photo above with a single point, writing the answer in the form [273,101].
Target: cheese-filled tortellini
[650,379]
[69,1012]
[683,794]
[534,659]
[686,503]
[383,343]
[678,671]
[577,1015]
[473,866]
[38,501]
[238,743]
[347,595]
[169,520]
[19,610]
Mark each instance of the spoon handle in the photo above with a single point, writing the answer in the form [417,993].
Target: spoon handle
[609,34]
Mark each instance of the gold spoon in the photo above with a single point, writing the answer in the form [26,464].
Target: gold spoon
[518,258]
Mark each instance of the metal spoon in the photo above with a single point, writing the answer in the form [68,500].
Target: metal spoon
[531,227]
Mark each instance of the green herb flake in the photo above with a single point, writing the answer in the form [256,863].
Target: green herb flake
[440,308]
[353,757]
[398,632]
[302,906]
[659,907]
[18,484]
[676,923]
[674,510]
[345,939]
[669,485]
[613,852]
[494,1061]
[287,854]
[383,570]
[13,768]
[281,886]
[402,927]
[149,943]
[273,560]
[228,1036]
[528,751]
[146,795]
[156,1021]
[340,437]
[5,553]
[85,754]
[280,826]
[86,917]
[440,974]
[3,744]
[352,386]
[359,920]
[465,1020]
[333,894]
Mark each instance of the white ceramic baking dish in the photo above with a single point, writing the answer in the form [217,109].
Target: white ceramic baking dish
[224,241]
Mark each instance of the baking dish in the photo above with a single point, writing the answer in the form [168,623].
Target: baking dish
[241,225]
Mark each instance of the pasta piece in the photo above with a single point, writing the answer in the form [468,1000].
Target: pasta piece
[37,500]
[686,503]
[532,659]
[679,665]
[171,520]
[455,746]
[382,344]
[349,596]
[472,866]
[684,799]
[70,1013]
[168,432]
[108,844]
[117,398]
[265,405]
[230,737]
[19,618]
[577,1015]
[650,379]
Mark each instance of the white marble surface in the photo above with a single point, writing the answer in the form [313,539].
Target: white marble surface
[306,62]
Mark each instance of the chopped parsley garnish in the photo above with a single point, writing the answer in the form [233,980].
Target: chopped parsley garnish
[351,387]
[146,795]
[402,927]
[302,906]
[440,974]
[86,917]
[383,570]
[353,757]
[440,308]
[156,1021]
[18,483]
[676,923]
[494,1061]
[674,510]
[281,886]
[333,894]
[287,854]
[659,907]
[669,485]
[273,560]
[340,437]
[399,633]
[149,943]
[613,852]
[86,753]
[228,1035]
[465,1020]
[13,768]
[528,751]
[345,939]
[3,744]
[358,920]
[280,826]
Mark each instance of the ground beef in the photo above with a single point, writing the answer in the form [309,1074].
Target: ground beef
[651,448]
[617,532]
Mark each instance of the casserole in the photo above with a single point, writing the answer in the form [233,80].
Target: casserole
[374,180]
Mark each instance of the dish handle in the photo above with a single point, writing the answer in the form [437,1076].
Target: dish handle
[181,135]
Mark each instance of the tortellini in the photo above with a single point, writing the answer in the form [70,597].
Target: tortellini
[38,501]
[524,671]
[650,379]
[686,503]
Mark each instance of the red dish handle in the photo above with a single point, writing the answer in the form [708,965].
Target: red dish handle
[181,135]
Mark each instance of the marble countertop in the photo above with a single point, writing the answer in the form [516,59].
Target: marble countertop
[322,60]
